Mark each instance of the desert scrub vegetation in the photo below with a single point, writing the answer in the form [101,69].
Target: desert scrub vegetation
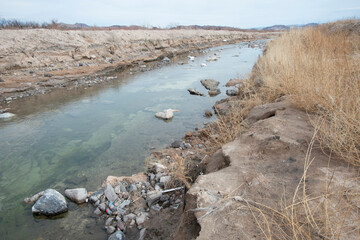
[319,69]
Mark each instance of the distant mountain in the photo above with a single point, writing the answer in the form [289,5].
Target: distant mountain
[73,26]
[81,25]
[286,27]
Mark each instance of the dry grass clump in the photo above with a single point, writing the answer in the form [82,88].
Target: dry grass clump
[178,171]
[319,68]
[229,125]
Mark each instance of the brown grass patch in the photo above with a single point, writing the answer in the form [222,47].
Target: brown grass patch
[319,68]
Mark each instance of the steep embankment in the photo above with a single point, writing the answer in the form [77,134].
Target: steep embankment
[268,185]
[33,61]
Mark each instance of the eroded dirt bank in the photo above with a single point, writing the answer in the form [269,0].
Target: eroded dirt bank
[37,60]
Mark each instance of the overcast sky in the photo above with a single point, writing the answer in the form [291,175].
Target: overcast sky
[236,13]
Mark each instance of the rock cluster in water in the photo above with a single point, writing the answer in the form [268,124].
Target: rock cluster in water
[126,202]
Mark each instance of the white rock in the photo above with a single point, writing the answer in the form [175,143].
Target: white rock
[203,65]
[78,195]
[166,114]
[191,58]
[7,115]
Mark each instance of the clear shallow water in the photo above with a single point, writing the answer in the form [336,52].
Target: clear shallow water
[77,138]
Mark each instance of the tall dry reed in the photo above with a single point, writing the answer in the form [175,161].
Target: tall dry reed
[319,68]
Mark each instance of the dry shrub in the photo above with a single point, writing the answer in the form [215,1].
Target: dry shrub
[319,68]
[178,171]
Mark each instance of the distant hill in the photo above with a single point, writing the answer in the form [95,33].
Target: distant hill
[286,27]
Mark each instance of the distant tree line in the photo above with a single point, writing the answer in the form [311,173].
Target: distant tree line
[18,24]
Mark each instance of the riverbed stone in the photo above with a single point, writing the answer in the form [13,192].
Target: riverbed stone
[77,195]
[122,187]
[120,225]
[50,204]
[208,114]
[125,203]
[166,114]
[232,92]
[96,196]
[97,211]
[210,84]
[177,144]
[109,221]
[34,198]
[152,198]
[102,207]
[215,92]
[118,235]
[131,188]
[142,234]
[193,91]
[141,218]
[110,193]
[234,82]
[129,217]
[6,115]
[110,229]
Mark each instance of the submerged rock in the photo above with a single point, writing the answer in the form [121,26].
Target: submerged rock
[34,198]
[6,115]
[213,93]
[177,144]
[193,91]
[210,84]
[77,195]
[166,59]
[232,92]
[166,114]
[50,203]
[118,235]
[191,58]
[233,82]
[208,114]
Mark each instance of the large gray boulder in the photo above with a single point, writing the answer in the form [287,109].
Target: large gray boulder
[118,235]
[50,203]
[77,195]
[210,84]
[110,193]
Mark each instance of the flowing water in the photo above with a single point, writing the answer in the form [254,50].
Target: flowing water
[76,138]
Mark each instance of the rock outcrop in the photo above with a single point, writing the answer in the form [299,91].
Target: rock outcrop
[263,167]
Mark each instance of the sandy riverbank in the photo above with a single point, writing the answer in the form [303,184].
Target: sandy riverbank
[35,61]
